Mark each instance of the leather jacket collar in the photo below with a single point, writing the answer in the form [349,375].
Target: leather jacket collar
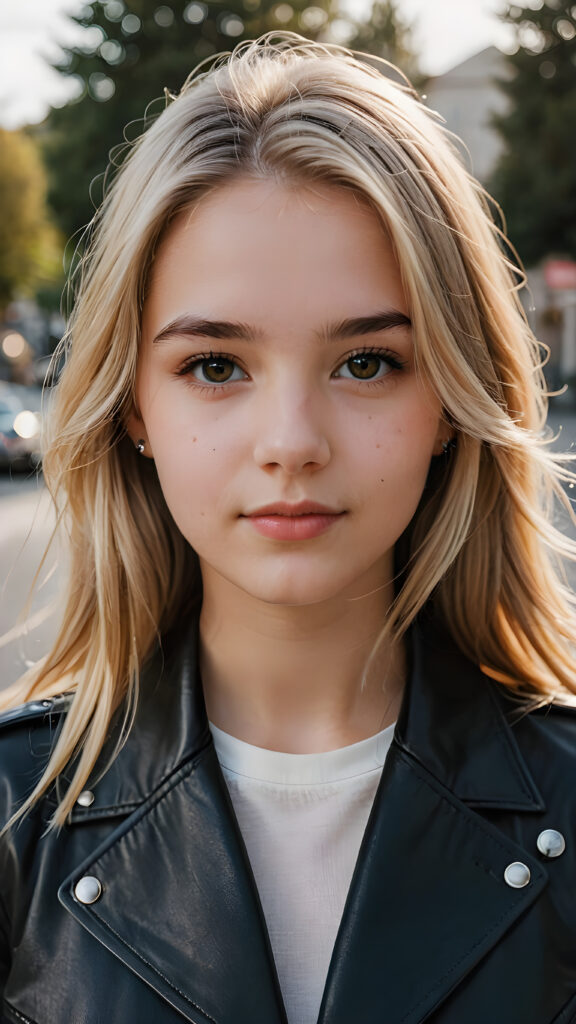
[453,721]
[425,849]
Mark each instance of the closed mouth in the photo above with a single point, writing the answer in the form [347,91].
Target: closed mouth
[301,508]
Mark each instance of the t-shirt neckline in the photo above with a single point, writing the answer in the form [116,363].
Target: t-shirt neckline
[277,767]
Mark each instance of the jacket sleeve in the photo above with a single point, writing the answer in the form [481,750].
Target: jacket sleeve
[5,955]
[26,737]
[6,884]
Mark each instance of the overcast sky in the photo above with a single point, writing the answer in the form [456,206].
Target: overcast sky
[447,31]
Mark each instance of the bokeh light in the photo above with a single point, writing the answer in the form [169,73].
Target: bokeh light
[131,24]
[195,12]
[92,38]
[283,13]
[14,345]
[101,87]
[112,51]
[565,29]
[164,16]
[114,10]
[230,25]
[27,424]
[547,69]
[313,18]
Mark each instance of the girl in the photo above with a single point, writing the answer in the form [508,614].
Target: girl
[302,750]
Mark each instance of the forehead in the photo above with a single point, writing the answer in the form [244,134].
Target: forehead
[256,247]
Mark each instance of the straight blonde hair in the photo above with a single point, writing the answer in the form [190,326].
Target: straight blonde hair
[481,545]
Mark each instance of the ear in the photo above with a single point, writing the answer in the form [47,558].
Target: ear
[137,433]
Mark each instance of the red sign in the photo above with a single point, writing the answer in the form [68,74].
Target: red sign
[560,274]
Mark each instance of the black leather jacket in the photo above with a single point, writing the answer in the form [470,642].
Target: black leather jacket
[432,931]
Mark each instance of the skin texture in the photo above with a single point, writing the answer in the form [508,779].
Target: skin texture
[287,624]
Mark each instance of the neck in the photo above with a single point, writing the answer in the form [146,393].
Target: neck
[298,679]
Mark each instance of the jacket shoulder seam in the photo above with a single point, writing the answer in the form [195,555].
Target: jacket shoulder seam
[18,1014]
[35,709]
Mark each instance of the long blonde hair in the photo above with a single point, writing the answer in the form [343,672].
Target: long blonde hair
[481,545]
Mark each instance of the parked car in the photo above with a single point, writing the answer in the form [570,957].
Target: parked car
[20,426]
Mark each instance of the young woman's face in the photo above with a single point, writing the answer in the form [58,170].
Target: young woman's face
[277,391]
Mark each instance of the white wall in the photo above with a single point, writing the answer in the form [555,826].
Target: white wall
[467,96]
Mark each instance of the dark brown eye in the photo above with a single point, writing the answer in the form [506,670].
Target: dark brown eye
[370,365]
[212,369]
[217,371]
[364,366]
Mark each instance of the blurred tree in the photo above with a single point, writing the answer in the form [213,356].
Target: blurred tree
[29,251]
[386,33]
[535,180]
[131,52]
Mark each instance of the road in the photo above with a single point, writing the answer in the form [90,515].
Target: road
[25,524]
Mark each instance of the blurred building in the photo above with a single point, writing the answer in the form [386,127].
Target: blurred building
[467,96]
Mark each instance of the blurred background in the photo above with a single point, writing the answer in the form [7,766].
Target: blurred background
[73,75]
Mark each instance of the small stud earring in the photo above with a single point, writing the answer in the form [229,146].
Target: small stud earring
[140,446]
[447,446]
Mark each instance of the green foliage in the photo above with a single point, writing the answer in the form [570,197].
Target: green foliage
[387,34]
[29,254]
[134,50]
[535,180]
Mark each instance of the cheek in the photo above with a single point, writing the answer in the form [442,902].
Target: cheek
[190,486]
[195,460]
[403,445]
[400,459]
[180,434]
[187,466]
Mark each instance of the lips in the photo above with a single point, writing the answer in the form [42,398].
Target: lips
[303,520]
[300,508]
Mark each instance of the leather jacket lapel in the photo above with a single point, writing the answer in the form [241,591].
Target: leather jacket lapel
[427,902]
[459,724]
[179,900]
[170,725]
[428,899]
[179,905]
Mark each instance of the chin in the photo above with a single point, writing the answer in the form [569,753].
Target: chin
[297,593]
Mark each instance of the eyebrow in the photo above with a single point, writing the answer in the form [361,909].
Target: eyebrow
[191,326]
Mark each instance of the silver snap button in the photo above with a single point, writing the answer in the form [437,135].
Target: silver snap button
[517,875]
[551,843]
[88,889]
[86,799]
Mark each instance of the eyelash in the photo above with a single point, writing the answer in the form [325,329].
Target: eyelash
[185,370]
[394,362]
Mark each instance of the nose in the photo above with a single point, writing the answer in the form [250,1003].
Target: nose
[290,434]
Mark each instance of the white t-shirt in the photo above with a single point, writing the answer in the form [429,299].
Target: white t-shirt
[302,817]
